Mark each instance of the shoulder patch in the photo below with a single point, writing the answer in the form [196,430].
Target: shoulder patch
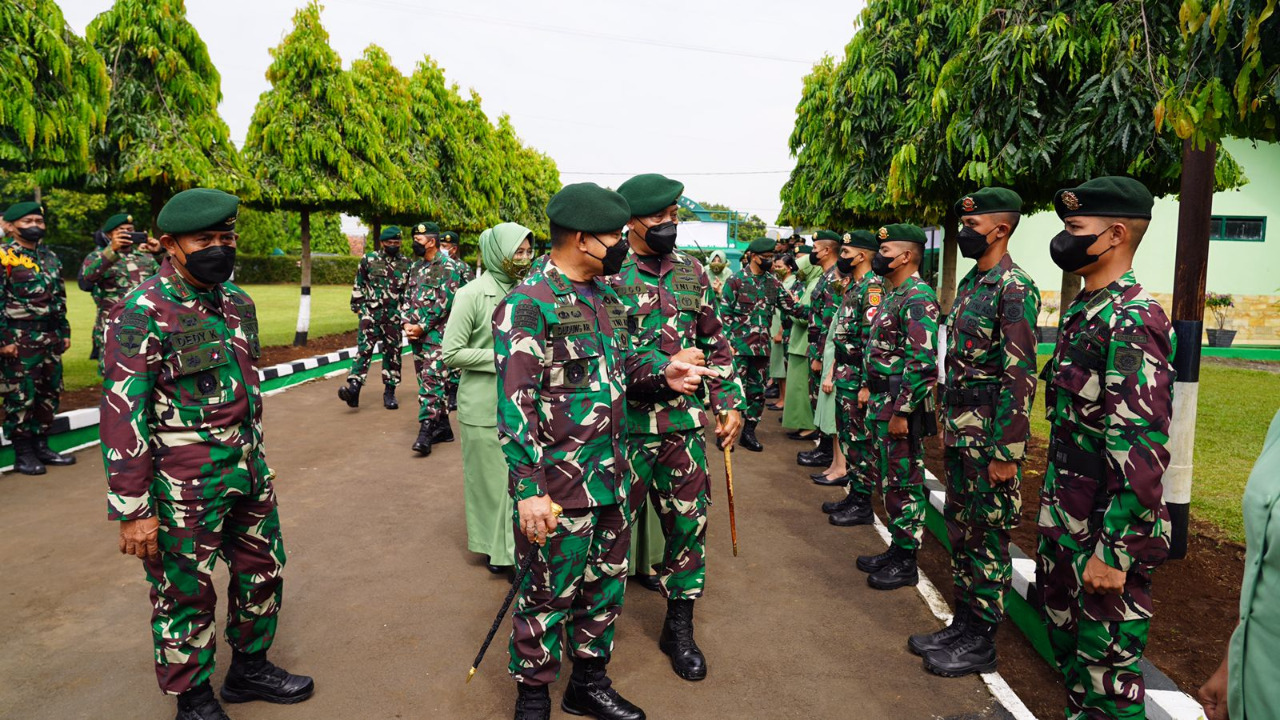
[1128,360]
[874,295]
[134,320]
[1011,305]
[916,310]
[130,340]
[526,315]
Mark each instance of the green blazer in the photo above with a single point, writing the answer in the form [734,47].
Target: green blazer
[468,346]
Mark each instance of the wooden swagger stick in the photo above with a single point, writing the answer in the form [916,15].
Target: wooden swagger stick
[728,479]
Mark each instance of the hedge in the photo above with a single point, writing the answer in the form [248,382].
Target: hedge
[268,269]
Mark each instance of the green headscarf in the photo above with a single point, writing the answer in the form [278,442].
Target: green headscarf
[498,244]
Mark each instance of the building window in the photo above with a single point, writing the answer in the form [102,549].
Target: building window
[1239,229]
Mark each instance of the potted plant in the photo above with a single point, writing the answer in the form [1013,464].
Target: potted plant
[1221,305]
[1049,331]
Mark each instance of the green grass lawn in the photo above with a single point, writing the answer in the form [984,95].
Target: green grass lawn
[1235,410]
[277,319]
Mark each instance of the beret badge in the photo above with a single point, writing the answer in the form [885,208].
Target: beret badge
[884,233]
[1070,201]
[968,204]
[848,237]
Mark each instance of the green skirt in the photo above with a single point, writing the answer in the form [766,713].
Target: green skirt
[648,545]
[777,361]
[797,414]
[490,509]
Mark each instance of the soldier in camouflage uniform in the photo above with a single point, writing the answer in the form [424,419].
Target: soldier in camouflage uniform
[565,367]
[182,448]
[428,295]
[110,272]
[1104,526]
[671,309]
[848,336]
[451,248]
[823,303]
[990,385]
[747,305]
[900,369]
[33,335]
[375,298]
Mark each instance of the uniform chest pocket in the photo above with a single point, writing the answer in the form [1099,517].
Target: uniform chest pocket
[575,364]
[1079,381]
[202,375]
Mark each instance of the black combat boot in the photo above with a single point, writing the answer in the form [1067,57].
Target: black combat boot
[748,437]
[25,459]
[350,393]
[648,582]
[899,572]
[677,641]
[973,652]
[873,563]
[533,702]
[817,457]
[451,396]
[422,445]
[840,481]
[591,692]
[832,506]
[253,677]
[49,457]
[922,644]
[772,391]
[198,703]
[855,513]
[389,398]
[443,431]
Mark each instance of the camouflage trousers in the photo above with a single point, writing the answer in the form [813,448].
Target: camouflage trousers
[671,471]
[99,339]
[32,384]
[1097,640]
[979,517]
[232,515]
[577,581]
[855,442]
[753,370]
[433,379]
[377,331]
[900,473]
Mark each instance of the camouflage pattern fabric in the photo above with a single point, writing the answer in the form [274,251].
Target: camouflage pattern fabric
[108,276]
[181,436]
[979,515]
[375,298]
[33,315]
[823,304]
[899,471]
[856,443]
[849,334]
[671,472]
[747,305]
[427,299]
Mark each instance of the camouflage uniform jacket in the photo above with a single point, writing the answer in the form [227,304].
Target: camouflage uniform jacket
[109,276]
[379,286]
[31,291]
[565,367]
[903,342]
[671,306]
[823,305]
[1110,394]
[851,329]
[466,273]
[428,296]
[991,346]
[747,306]
[180,400]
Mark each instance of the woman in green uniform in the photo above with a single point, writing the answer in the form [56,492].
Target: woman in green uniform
[784,266]
[718,270]
[507,251]
[797,413]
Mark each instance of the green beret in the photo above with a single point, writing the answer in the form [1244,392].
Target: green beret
[116,221]
[761,245]
[17,211]
[450,236]
[862,239]
[390,232]
[1111,196]
[902,232]
[650,193]
[989,200]
[198,209]
[587,207]
[826,235]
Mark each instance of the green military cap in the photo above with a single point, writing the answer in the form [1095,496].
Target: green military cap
[17,211]
[761,245]
[1111,196]
[426,228]
[989,200]
[587,207]
[826,235]
[449,236]
[198,209]
[902,232]
[390,232]
[860,239]
[116,221]
[650,193]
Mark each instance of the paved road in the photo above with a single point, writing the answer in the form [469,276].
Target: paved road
[385,607]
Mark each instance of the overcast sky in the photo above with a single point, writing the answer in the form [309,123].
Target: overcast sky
[704,91]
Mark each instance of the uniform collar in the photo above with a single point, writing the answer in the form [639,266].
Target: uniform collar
[182,290]
[997,271]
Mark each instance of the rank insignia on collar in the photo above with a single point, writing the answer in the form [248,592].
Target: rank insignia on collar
[1070,200]
[968,205]
[884,233]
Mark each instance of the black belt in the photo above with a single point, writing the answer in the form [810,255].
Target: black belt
[32,325]
[1067,455]
[877,383]
[971,396]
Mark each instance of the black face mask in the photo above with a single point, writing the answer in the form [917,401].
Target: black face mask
[31,234]
[1071,252]
[972,243]
[613,257]
[661,238]
[880,265]
[419,249]
[845,266]
[392,250]
[212,265]
[813,256]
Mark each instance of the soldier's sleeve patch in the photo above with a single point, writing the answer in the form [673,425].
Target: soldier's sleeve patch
[526,315]
[916,311]
[1128,360]
[874,296]
[1012,304]
[133,320]
[1129,337]
[130,340]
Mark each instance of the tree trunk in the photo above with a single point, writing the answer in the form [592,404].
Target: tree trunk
[38,195]
[157,203]
[1068,290]
[950,251]
[304,304]
[371,244]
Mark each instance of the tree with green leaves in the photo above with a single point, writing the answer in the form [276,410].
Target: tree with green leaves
[263,232]
[163,132]
[384,91]
[55,90]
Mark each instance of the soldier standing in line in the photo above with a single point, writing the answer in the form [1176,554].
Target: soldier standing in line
[34,333]
[183,454]
[823,303]
[375,298]
[450,247]
[1104,525]
[565,369]
[900,372]
[424,309]
[990,384]
[110,272]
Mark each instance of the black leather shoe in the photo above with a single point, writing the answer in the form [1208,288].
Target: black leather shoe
[591,693]
[873,563]
[49,457]
[350,393]
[802,435]
[648,582]
[24,457]
[747,438]
[900,572]
[678,643]
[443,432]
[254,677]
[452,398]
[533,702]
[857,513]
[820,456]
[973,652]
[834,506]
[422,445]
[927,643]
[772,392]
[198,703]
[496,569]
[831,482]
[389,398]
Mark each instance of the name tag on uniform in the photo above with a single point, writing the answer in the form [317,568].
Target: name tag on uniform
[201,358]
[570,321]
[184,340]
